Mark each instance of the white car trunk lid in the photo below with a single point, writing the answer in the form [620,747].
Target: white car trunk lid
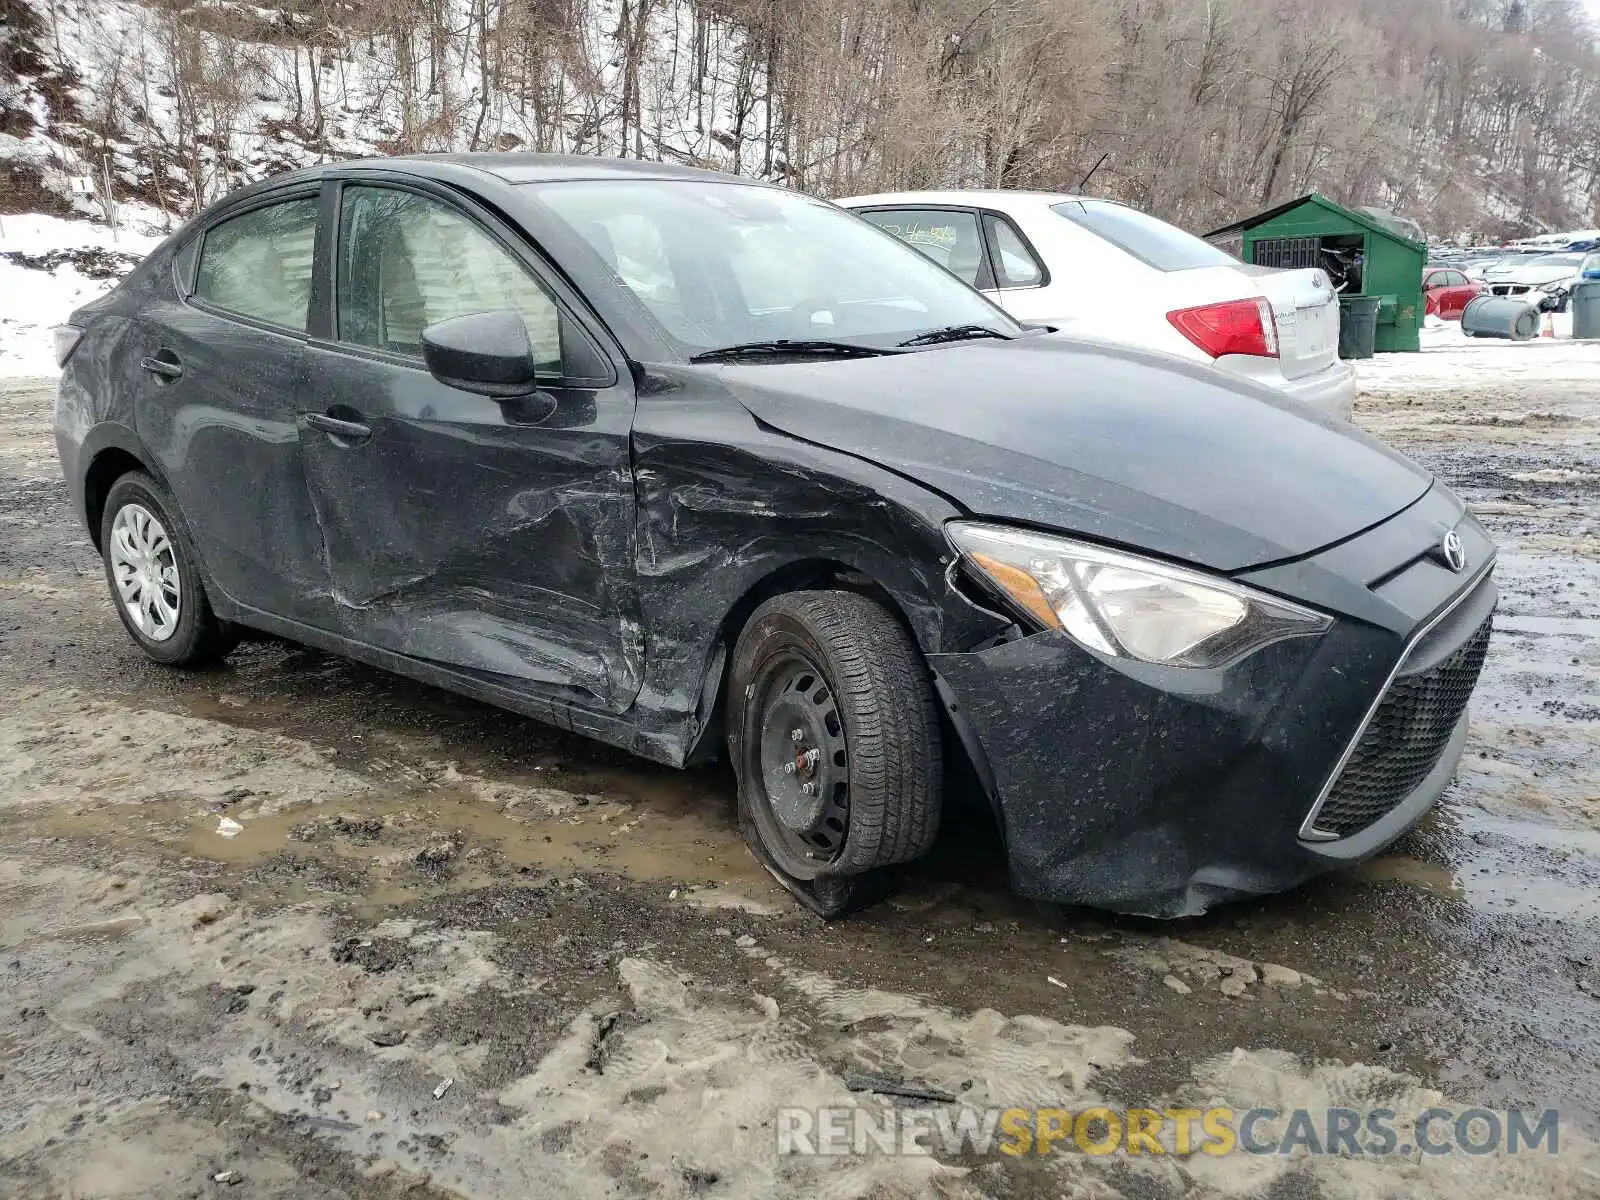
[1307,310]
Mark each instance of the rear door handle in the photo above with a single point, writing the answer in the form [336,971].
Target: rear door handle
[167,368]
[350,431]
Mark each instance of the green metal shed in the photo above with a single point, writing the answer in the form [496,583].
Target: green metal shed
[1313,231]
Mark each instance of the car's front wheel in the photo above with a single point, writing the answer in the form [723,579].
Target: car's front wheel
[151,573]
[835,741]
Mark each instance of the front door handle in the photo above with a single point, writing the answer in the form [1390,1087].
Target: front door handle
[349,431]
[165,365]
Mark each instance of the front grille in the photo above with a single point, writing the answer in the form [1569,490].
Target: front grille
[1404,740]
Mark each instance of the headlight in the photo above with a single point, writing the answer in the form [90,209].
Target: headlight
[1128,606]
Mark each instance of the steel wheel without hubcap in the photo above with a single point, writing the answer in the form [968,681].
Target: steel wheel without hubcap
[805,767]
[144,566]
[834,735]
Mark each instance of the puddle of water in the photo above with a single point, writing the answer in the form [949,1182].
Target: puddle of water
[1498,863]
[99,931]
[675,839]
[1425,876]
[647,841]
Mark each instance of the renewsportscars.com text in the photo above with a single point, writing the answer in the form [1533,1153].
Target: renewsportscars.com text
[958,1130]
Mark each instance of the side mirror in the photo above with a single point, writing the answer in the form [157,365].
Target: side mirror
[487,353]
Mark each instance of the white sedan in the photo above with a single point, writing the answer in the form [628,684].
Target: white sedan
[1103,270]
[1515,276]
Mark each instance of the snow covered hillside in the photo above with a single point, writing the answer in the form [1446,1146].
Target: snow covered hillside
[182,102]
[177,103]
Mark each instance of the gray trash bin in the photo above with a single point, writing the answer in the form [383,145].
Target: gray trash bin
[1500,317]
[1586,309]
[1358,325]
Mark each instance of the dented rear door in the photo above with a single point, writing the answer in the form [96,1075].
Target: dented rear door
[460,529]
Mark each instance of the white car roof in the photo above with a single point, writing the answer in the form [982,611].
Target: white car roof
[994,198]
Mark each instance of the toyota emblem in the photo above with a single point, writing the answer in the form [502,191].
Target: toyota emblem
[1455,554]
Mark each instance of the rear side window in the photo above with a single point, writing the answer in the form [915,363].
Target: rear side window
[1152,241]
[258,264]
[948,236]
[1014,263]
[407,262]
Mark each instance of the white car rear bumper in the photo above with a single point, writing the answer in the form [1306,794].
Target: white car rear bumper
[1331,391]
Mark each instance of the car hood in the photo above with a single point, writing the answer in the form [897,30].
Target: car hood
[1119,445]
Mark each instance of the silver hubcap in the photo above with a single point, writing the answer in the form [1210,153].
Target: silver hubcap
[146,572]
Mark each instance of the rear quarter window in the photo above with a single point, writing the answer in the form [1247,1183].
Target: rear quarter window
[1151,240]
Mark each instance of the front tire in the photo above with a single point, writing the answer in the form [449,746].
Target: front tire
[834,736]
[151,572]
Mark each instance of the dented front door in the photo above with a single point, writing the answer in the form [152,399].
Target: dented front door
[460,529]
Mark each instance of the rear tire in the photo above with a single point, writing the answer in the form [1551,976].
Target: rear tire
[152,575]
[860,788]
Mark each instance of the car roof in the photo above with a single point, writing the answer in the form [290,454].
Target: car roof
[993,198]
[511,168]
[540,168]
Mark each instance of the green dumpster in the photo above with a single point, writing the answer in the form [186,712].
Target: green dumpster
[1367,253]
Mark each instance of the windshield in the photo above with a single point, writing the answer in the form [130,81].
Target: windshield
[1556,260]
[1152,241]
[723,264]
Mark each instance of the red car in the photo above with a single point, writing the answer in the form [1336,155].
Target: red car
[1447,291]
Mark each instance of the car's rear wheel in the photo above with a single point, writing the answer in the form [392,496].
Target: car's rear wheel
[835,741]
[155,587]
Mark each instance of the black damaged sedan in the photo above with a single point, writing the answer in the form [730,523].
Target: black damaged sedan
[694,465]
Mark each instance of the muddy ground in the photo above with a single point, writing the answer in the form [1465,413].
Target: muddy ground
[428,891]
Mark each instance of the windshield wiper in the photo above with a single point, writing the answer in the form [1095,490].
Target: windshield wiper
[785,346]
[955,333]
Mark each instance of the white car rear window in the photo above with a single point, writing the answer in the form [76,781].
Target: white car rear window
[1150,240]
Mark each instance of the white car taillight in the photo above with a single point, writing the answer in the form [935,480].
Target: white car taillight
[1230,327]
[66,342]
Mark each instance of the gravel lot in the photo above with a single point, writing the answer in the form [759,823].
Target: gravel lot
[427,890]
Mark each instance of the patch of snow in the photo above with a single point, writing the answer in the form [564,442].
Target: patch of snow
[1449,358]
[35,233]
[33,301]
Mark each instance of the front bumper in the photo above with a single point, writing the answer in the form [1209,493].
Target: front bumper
[1161,791]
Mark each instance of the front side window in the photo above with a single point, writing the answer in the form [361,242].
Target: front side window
[258,264]
[949,238]
[720,264]
[407,262]
[1014,264]
[1149,239]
